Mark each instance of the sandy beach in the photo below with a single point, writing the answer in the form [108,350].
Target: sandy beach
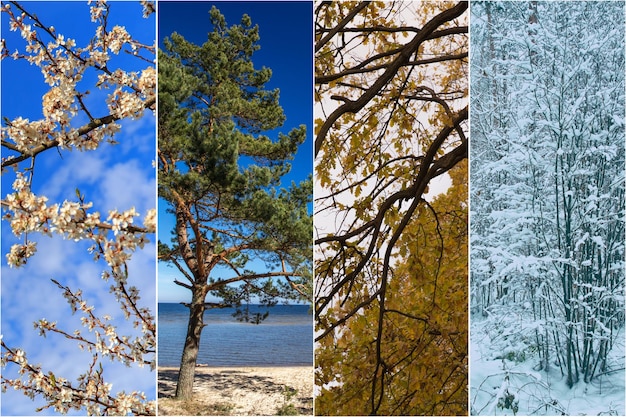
[241,391]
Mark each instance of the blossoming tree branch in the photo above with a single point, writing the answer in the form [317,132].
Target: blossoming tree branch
[72,122]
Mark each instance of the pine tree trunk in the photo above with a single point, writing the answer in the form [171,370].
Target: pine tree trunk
[184,388]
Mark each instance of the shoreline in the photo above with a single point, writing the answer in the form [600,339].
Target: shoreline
[239,390]
[207,366]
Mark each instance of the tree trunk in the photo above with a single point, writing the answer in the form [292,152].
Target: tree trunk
[184,388]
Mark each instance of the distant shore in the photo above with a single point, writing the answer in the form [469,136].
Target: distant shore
[240,391]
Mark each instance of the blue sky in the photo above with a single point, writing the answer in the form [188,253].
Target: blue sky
[286,40]
[113,177]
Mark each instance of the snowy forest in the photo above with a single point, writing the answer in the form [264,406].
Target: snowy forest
[547,208]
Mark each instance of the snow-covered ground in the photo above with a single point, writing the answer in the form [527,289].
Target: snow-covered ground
[510,386]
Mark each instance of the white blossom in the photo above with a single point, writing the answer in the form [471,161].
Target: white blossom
[111,241]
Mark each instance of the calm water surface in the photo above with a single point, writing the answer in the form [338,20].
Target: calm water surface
[285,338]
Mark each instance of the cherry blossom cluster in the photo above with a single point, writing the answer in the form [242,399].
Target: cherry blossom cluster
[29,213]
[112,240]
[148,7]
[105,340]
[91,392]
[63,65]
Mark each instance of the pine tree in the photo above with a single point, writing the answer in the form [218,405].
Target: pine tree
[220,177]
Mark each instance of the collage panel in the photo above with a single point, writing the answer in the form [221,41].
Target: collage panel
[547,208]
[235,208]
[274,208]
[391,207]
[78,93]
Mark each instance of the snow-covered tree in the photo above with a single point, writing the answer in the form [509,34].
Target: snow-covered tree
[547,174]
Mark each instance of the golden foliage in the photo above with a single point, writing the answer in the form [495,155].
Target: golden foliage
[391,269]
[424,344]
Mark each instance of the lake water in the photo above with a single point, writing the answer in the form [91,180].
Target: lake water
[285,338]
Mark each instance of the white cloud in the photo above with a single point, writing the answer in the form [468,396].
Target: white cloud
[138,136]
[125,185]
[75,168]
